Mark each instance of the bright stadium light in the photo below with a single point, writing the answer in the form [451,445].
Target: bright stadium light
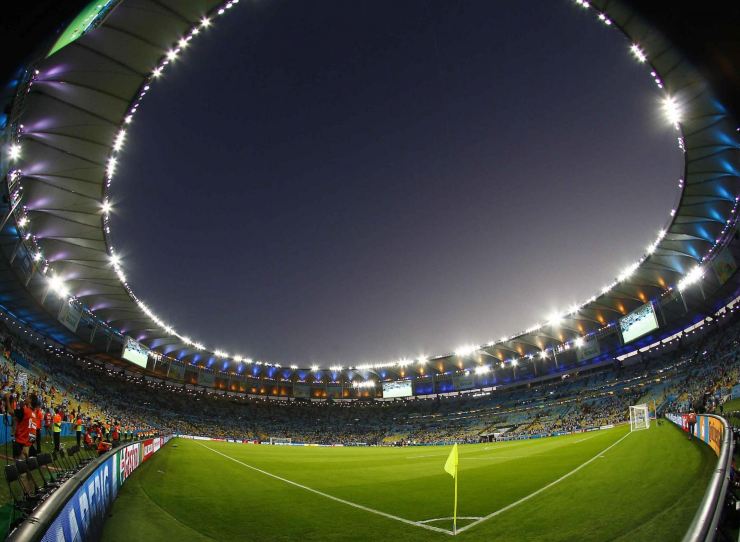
[692,277]
[56,284]
[335,368]
[672,110]
[555,319]
[638,53]
[578,342]
[23,222]
[205,22]
[14,151]
[119,141]
[172,54]
[482,369]
[110,170]
[422,360]
[465,350]
[156,72]
[543,354]
[514,362]
[314,368]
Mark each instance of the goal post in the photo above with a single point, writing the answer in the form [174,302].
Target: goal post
[281,440]
[639,417]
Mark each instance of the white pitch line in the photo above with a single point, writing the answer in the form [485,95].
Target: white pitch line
[449,518]
[332,497]
[427,455]
[540,490]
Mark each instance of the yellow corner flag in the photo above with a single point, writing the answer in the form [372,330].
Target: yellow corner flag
[452,461]
[451,469]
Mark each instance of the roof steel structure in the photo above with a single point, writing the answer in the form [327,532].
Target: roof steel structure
[66,133]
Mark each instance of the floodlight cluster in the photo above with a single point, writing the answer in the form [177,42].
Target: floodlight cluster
[672,108]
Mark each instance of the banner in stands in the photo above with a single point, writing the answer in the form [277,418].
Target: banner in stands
[724,265]
[302,391]
[176,371]
[590,349]
[206,379]
[69,316]
[463,381]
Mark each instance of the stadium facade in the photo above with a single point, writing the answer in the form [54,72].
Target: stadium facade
[69,107]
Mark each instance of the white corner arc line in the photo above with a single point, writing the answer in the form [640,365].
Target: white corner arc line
[540,490]
[333,498]
[449,518]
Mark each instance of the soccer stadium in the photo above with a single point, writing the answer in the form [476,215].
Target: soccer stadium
[612,419]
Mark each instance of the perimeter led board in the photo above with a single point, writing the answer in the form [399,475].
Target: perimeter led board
[400,388]
[88,19]
[638,323]
[134,352]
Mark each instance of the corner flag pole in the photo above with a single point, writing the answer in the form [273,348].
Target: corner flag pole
[454,512]
[451,469]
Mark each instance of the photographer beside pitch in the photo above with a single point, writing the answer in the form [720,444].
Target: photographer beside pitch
[25,428]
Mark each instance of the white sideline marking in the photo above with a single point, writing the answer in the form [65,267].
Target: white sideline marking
[427,455]
[449,518]
[543,488]
[332,497]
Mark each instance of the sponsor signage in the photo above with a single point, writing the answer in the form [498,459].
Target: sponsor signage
[129,458]
[83,515]
[81,518]
[707,429]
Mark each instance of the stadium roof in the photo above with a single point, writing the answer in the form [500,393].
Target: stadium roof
[67,132]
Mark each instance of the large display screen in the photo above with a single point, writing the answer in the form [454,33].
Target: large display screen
[400,388]
[88,19]
[135,352]
[638,323]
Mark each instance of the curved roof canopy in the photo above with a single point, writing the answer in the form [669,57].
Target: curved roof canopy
[68,129]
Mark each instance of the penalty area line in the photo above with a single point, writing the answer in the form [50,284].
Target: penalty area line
[332,497]
[543,488]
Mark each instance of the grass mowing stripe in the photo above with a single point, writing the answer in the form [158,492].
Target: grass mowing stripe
[332,497]
[527,497]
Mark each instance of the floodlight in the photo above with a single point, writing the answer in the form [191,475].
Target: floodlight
[14,151]
[672,110]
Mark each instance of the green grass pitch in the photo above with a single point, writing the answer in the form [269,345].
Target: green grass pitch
[622,486]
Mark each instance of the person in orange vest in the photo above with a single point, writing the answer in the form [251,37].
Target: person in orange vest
[116,434]
[39,415]
[57,429]
[692,423]
[78,427]
[47,422]
[25,434]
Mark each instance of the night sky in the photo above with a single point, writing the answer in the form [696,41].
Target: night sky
[347,182]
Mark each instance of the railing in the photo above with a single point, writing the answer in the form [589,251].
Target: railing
[704,526]
[76,511]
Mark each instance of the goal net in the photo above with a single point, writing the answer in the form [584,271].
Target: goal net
[639,417]
[280,440]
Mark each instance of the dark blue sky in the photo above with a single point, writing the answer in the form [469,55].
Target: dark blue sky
[339,181]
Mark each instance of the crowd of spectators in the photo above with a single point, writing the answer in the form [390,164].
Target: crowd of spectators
[108,405]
